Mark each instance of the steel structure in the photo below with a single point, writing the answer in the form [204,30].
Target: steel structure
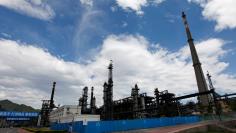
[47,107]
[108,96]
[83,100]
[210,81]
[144,106]
[52,105]
[44,114]
[92,102]
[140,105]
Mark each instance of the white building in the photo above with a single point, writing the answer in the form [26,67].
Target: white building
[71,113]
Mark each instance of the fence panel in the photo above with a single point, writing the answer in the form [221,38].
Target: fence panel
[124,125]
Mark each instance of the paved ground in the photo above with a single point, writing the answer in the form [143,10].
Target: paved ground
[12,130]
[169,129]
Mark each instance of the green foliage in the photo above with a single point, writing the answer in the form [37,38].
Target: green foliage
[6,105]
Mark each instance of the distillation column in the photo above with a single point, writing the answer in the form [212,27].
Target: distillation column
[135,94]
[83,100]
[92,102]
[108,95]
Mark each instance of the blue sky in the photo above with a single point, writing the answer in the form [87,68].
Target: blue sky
[78,33]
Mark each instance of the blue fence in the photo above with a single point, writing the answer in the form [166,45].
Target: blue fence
[123,125]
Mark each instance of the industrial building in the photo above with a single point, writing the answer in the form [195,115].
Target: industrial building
[71,113]
[139,105]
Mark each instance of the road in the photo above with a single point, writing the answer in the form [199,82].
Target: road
[12,130]
[168,129]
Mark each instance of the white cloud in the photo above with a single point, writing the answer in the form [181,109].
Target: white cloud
[27,71]
[221,11]
[113,8]
[124,24]
[171,17]
[201,2]
[6,35]
[34,8]
[88,3]
[136,5]
[158,1]
[89,26]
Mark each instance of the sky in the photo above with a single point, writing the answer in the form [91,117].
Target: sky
[72,41]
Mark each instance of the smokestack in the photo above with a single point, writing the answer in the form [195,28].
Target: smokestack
[201,82]
[52,96]
[110,67]
[91,99]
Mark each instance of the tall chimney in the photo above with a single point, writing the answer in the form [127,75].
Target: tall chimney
[201,82]
[52,96]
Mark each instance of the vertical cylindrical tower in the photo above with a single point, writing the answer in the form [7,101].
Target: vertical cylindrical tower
[108,95]
[201,82]
[52,96]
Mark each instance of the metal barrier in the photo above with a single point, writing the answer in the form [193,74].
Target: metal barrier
[124,125]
